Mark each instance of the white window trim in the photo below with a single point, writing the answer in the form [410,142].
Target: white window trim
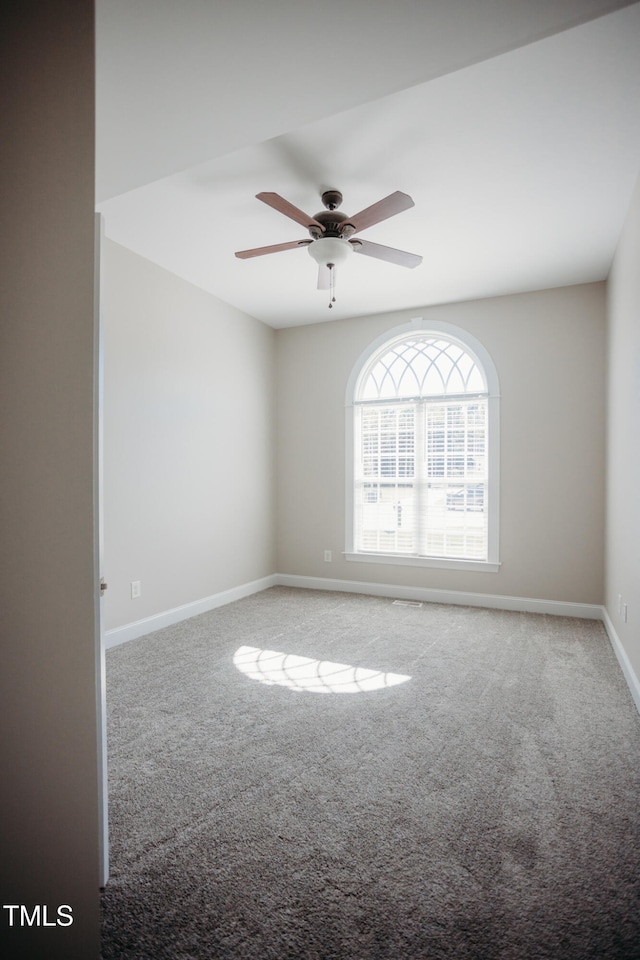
[420,325]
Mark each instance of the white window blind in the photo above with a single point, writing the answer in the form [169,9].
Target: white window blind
[421,452]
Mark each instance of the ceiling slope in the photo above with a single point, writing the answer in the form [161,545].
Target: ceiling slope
[182,83]
[521,168]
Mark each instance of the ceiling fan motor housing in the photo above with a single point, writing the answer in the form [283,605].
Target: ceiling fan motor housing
[332,221]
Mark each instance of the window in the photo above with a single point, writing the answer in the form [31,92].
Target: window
[423,451]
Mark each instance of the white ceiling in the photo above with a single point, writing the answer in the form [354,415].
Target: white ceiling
[520,145]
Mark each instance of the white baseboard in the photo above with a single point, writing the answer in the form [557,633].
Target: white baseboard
[131,631]
[625,664]
[558,608]
[140,628]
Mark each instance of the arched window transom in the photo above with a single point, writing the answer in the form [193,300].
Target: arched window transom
[422,367]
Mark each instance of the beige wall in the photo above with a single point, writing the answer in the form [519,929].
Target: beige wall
[623,451]
[188,441]
[49,816]
[549,351]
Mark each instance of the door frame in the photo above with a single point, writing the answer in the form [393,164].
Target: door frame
[98,531]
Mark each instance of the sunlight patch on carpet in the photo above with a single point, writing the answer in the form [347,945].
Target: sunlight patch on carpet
[313,676]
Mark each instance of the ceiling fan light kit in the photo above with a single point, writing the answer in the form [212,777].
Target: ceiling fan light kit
[328,252]
[331,232]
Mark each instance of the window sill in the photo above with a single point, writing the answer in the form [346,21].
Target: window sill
[482,566]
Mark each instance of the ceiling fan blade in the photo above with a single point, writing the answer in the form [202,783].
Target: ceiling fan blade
[390,254]
[294,213]
[382,210]
[274,248]
[324,277]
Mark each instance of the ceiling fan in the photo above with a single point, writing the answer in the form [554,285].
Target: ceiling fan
[332,234]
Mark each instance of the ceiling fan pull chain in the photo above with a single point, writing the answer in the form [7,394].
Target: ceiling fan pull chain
[332,285]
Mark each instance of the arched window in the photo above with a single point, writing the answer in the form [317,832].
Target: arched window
[423,437]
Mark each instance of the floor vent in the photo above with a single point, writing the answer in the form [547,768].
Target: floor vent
[408,603]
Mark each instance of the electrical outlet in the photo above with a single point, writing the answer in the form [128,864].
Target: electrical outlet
[135,589]
[328,557]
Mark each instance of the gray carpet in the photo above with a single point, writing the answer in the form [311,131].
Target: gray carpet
[488,807]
